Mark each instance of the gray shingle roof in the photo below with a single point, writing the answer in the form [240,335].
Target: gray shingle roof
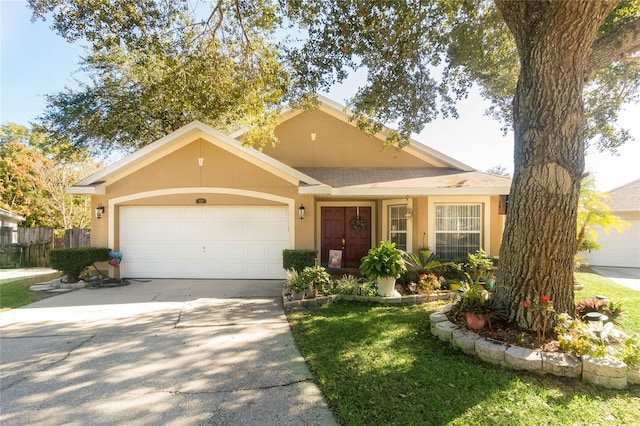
[625,198]
[406,178]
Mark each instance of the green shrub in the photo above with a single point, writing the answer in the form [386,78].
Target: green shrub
[383,261]
[73,260]
[298,259]
[349,284]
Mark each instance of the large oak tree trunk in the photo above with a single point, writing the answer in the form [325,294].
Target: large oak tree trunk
[539,242]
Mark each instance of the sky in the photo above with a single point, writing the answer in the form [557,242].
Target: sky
[35,61]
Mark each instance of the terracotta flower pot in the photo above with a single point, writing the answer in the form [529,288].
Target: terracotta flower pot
[476,321]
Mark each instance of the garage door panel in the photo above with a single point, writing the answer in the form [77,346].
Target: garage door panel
[203,242]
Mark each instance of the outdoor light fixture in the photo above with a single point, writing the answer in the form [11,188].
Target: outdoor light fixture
[301,211]
[99,211]
[313,136]
[408,211]
[200,161]
[595,321]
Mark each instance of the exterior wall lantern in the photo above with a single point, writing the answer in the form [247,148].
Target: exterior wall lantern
[301,211]
[99,211]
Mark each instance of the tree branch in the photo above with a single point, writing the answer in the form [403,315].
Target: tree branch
[615,45]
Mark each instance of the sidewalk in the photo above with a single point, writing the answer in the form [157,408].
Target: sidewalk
[6,274]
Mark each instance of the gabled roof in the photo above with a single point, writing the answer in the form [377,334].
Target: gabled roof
[96,184]
[340,112]
[625,198]
[449,177]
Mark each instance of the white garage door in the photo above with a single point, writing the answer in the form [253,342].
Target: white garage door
[203,242]
[618,249]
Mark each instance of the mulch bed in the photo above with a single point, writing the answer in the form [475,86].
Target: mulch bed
[506,333]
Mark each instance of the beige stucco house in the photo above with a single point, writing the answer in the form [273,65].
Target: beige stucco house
[199,204]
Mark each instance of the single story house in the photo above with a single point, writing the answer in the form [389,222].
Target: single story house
[621,248]
[9,227]
[198,204]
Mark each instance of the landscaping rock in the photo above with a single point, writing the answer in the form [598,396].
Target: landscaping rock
[438,316]
[465,340]
[409,300]
[492,352]
[443,330]
[394,300]
[633,375]
[520,358]
[561,364]
[607,372]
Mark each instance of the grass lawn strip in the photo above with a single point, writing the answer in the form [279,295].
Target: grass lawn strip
[14,292]
[381,365]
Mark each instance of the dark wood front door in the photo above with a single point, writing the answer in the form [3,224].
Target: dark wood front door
[337,233]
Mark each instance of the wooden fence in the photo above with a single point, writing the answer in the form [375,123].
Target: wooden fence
[34,244]
[77,237]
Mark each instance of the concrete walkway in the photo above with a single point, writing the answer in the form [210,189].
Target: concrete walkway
[176,352]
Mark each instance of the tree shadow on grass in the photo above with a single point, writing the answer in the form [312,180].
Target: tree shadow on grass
[381,365]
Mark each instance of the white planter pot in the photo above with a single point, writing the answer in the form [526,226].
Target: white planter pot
[386,286]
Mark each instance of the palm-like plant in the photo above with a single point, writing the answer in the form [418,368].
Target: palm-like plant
[593,211]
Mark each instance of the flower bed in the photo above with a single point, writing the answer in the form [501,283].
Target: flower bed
[606,372]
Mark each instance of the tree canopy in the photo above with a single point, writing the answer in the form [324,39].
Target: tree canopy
[153,67]
[555,71]
[33,181]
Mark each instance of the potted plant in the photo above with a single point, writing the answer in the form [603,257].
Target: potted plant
[318,277]
[473,304]
[298,283]
[384,263]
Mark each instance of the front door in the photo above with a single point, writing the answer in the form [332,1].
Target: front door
[347,229]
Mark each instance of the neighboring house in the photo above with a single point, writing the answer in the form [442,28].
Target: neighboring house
[198,204]
[9,227]
[621,248]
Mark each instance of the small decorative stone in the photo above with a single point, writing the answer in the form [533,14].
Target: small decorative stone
[409,300]
[608,367]
[465,340]
[561,364]
[492,352]
[520,358]
[633,375]
[606,382]
[443,330]
[438,316]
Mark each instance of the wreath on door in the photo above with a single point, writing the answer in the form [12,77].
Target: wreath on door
[358,223]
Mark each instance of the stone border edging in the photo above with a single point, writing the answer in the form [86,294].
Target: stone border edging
[606,372]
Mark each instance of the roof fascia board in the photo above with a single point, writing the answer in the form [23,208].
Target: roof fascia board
[87,190]
[187,134]
[411,192]
[142,157]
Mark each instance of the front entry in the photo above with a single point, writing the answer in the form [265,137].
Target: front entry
[347,229]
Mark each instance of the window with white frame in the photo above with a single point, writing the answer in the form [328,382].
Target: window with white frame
[398,225]
[458,229]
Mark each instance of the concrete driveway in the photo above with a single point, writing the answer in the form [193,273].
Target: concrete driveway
[628,277]
[170,352]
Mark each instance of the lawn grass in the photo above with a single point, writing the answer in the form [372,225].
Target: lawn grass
[380,365]
[14,292]
[595,284]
